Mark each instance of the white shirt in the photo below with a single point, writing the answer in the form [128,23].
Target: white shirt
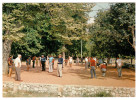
[95,59]
[17,62]
[86,59]
[119,62]
[70,60]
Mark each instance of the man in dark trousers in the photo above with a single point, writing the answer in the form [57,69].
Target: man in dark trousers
[43,62]
[33,59]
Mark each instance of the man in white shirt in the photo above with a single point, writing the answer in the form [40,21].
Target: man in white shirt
[86,62]
[119,67]
[17,68]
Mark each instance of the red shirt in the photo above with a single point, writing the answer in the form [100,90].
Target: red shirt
[92,61]
[103,66]
[34,58]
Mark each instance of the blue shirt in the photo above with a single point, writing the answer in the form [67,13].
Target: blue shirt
[43,59]
[60,61]
[100,61]
[50,59]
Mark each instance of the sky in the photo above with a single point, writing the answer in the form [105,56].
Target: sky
[95,9]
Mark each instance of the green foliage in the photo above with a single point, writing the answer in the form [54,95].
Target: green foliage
[98,94]
[103,94]
[43,28]
[111,33]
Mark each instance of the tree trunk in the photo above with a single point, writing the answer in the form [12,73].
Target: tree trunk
[6,53]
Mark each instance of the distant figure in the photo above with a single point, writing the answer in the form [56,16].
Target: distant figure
[33,60]
[27,64]
[81,61]
[92,67]
[10,64]
[86,62]
[40,61]
[100,61]
[77,61]
[70,62]
[66,61]
[103,68]
[53,62]
[119,66]
[30,60]
[37,61]
[59,67]
[43,62]
[50,64]
[17,68]
[89,58]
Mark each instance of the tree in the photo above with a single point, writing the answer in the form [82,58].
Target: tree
[68,21]
[110,34]
[12,27]
[33,28]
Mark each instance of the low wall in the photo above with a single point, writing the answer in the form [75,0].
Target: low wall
[70,90]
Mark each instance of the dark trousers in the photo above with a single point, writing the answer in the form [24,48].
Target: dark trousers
[33,64]
[43,65]
[93,71]
[17,74]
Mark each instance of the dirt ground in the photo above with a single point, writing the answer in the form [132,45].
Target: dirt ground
[77,75]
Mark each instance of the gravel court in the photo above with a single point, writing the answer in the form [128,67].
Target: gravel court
[77,75]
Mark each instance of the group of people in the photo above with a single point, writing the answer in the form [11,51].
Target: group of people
[42,60]
[94,63]
[90,62]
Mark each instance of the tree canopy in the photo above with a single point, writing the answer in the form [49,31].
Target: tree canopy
[113,32]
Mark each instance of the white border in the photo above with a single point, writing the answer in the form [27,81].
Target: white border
[54,1]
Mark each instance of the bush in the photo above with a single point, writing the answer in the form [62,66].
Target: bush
[102,94]
[99,94]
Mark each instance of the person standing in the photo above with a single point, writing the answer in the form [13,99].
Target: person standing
[37,61]
[100,61]
[50,63]
[86,62]
[82,61]
[89,58]
[103,68]
[33,59]
[77,61]
[70,61]
[53,62]
[40,61]
[17,68]
[92,67]
[59,67]
[27,64]
[10,64]
[66,61]
[119,67]
[30,60]
[43,62]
